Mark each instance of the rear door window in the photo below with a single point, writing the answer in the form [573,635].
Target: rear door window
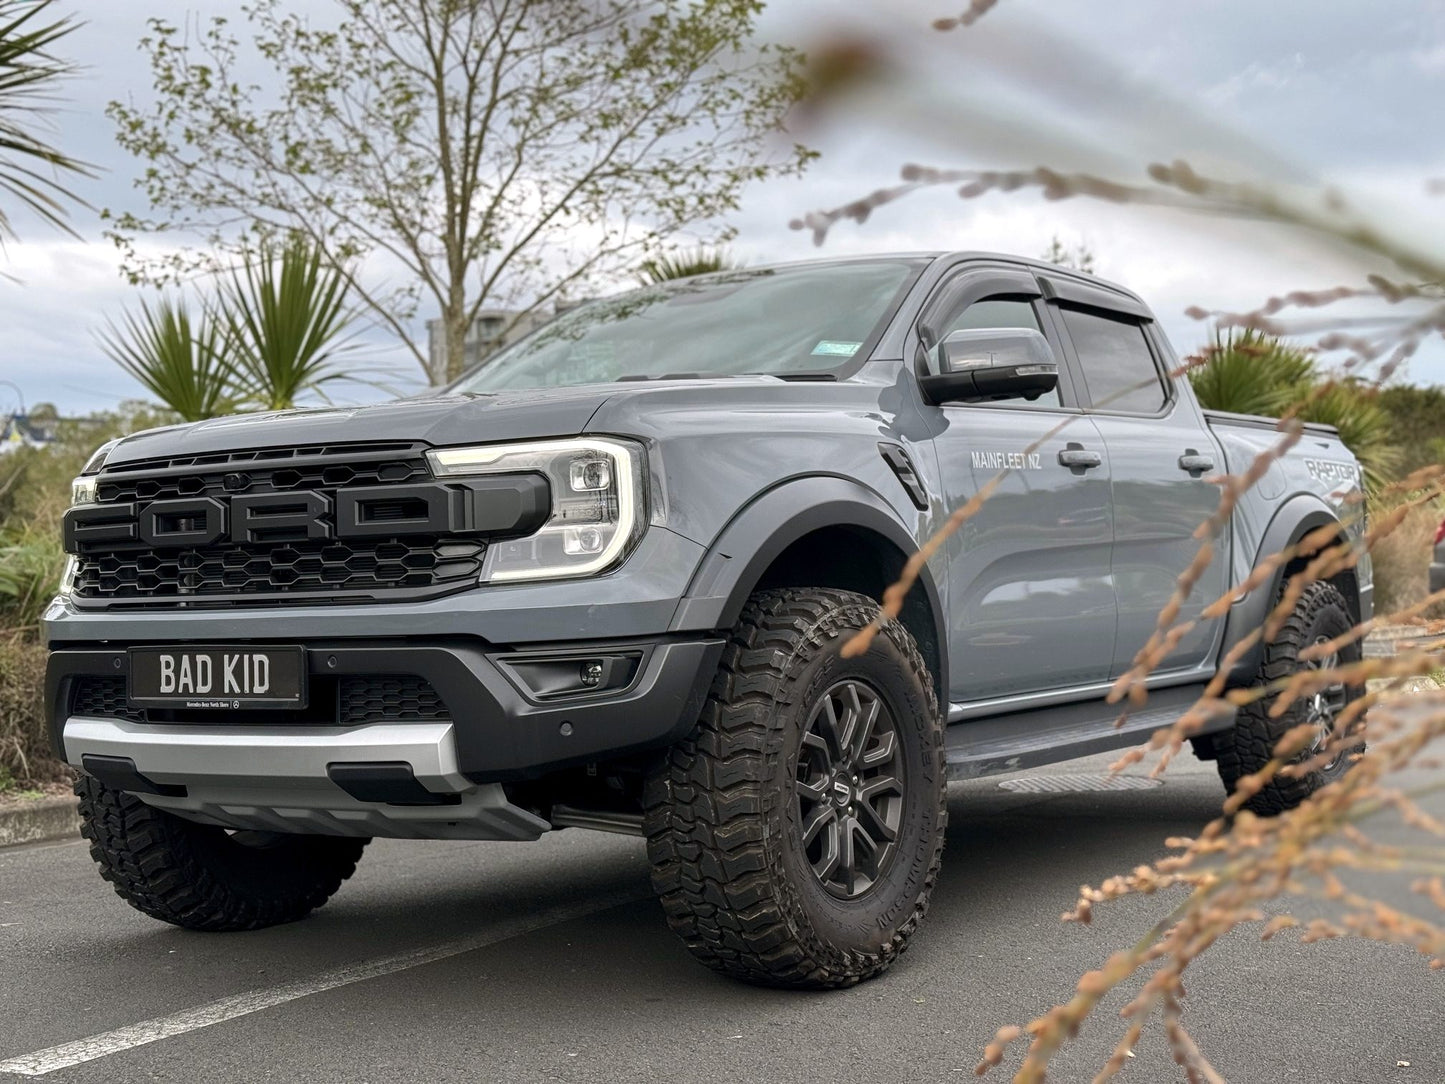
[1118,366]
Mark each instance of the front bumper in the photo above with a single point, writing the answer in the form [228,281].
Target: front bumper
[437,775]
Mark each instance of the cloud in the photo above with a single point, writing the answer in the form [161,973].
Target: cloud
[1350,91]
[1430,61]
[1257,76]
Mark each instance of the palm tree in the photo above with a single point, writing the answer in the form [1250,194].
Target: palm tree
[680,265]
[1248,372]
[285,314]
[29,166]
[1353,407]
[177,359]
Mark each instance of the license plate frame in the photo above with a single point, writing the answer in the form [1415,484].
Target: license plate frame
[228,681]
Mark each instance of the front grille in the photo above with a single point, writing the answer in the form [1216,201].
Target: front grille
[387,699]
[314,565]
[286,561]
[103,698]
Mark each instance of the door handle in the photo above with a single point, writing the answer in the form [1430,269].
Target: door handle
[1077,458]
[1195,463]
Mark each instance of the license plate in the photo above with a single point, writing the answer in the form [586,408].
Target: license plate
[217,678]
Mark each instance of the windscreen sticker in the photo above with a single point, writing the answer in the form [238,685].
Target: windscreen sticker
[834,349]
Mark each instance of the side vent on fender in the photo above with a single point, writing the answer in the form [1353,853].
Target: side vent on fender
[897,458]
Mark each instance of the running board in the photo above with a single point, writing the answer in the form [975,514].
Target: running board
[1027,739]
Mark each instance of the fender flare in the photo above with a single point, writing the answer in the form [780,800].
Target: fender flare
[757,535]
[1296,518]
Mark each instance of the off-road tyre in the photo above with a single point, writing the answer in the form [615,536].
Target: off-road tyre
[198,875]
[722,808]
[1320,612]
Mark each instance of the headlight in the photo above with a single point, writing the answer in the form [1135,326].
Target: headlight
[67,578]
[82,489]
[597,514]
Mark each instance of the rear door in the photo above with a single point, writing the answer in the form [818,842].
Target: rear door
[1160,453]
[1030,600]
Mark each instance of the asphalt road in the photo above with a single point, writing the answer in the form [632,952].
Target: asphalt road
[550,961]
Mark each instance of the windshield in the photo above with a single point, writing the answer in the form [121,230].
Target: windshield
[812,318]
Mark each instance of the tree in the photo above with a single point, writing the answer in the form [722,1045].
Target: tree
[495,152]
[285,315]
[29,166]
[1079,258]
[175,356]
[1249,372]
[274,331]
[680,265]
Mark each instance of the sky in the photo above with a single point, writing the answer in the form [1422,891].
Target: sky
[1302,91]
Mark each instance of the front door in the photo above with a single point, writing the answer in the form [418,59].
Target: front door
[1030,600]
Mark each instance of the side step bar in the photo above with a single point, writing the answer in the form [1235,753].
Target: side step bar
[1027,739]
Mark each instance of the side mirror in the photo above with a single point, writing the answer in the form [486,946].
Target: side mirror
[991,363]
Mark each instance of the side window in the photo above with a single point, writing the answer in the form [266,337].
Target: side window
[1118,366]
[1000,312]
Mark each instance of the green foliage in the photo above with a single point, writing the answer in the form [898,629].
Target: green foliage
[1417,423]
[1079,258]
[497,154]
[284,316]
[34,493]
[1247,372]
[1353,408]
[680,265]
[176,358]
[29,165]
[275,331]
[29,576]
[25,755]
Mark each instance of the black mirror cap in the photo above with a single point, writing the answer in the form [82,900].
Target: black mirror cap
[1027,381]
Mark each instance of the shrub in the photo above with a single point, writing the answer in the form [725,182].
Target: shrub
[25,754]
[1402,560]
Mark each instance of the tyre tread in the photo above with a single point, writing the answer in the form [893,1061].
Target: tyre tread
[155,861]
[713,867]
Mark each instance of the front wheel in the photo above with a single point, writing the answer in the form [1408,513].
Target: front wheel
[203,877]
[796,834]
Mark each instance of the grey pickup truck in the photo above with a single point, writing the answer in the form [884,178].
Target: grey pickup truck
[603,582]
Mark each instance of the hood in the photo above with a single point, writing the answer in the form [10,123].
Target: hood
[434,419]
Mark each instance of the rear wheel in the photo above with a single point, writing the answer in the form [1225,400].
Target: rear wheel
[796,834]
[203,877]
[1320,615]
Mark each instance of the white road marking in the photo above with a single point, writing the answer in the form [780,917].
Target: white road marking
[228,1008]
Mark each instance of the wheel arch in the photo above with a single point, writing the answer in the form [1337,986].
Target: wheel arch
[820,531]
[1297,517]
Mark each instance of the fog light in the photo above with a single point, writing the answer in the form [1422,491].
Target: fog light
[557,675]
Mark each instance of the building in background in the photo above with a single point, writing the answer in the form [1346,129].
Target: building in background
[491,330]
[22,431]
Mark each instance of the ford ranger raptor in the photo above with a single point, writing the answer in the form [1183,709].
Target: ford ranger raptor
[603,582]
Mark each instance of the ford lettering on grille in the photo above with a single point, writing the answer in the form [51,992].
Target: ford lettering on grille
[308,525]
